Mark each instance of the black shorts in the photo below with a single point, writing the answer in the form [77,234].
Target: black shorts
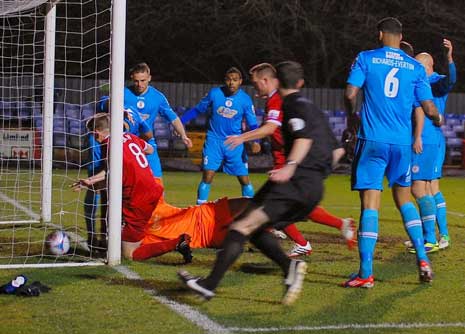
[290,202]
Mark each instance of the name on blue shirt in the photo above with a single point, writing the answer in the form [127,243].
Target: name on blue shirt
[394,60]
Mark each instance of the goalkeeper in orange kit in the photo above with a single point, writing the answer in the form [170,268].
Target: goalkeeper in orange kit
[199,226]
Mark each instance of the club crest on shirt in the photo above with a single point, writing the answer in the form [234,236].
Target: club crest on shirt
[228,103]
[296,124]
[226,112]
[140,104]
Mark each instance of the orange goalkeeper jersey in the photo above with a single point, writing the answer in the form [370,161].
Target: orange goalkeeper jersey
[207,224]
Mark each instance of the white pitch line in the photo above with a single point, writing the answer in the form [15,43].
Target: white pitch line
[73,236]
[183,310]
[348,326]
[21,207]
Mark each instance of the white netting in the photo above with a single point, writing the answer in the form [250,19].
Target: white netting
[14,6]
[82,58]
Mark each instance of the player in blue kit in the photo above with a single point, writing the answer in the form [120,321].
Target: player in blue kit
[229,106]
[150,103]
[427,163]
[92,197]
[391,81]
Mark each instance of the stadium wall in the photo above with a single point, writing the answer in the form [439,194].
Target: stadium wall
[188,94]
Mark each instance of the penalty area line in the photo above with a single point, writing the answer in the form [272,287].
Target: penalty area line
[347,326]
[185,311]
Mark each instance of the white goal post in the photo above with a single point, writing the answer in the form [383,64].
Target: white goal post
[57,58]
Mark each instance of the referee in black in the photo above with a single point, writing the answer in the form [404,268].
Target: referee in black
[288,196]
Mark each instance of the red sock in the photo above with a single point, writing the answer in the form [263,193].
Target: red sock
[156,249]
[293,233]
[321,216]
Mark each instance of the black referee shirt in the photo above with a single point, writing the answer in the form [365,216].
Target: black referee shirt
[302,119]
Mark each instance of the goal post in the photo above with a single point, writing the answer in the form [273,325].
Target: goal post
[116,143]
[57,58]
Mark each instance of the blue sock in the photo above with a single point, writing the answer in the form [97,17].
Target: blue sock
[427,207]
[202,192]
[412,224]
[247,190]
[367,236]
[441,211]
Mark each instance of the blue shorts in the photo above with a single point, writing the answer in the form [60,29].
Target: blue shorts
[215,154]
[427,165]
[154,163]
[374,160]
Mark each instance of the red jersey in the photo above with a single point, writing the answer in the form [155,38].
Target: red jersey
[274,114]
[140,191]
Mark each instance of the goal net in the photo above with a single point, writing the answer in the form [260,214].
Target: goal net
[54,67]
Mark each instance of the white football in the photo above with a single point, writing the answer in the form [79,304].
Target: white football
[58,243]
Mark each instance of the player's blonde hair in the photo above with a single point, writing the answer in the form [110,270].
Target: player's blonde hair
[139,68]
[263,68]
[100,121]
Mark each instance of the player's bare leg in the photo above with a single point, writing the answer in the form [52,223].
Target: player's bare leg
[139,252]
[128,248]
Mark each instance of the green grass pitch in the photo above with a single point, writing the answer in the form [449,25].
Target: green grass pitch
[101,300]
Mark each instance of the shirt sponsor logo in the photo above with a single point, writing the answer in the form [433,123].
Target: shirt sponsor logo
[394,55]
[226,112]
[296,124]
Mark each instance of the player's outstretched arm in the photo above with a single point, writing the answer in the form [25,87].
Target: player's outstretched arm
[179,128]
[263,131]
[448,45]
[88,182]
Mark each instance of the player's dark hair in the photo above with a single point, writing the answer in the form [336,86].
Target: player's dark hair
[100,121]
[407,48]
[390,25]
[263,68]
[140,68]
[233,70]
[289,73]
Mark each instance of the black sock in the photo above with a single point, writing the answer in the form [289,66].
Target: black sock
[233,246]
[269,246]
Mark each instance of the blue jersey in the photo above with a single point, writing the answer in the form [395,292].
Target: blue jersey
[95,156]
[135,124]
[441,86]
[149,105]
[227,112]
[391,82]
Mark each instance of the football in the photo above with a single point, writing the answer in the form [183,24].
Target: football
[58,243]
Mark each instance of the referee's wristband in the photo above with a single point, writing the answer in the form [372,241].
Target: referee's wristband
[291,162]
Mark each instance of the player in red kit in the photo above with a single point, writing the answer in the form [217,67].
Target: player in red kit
[140,191]
[263,77]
